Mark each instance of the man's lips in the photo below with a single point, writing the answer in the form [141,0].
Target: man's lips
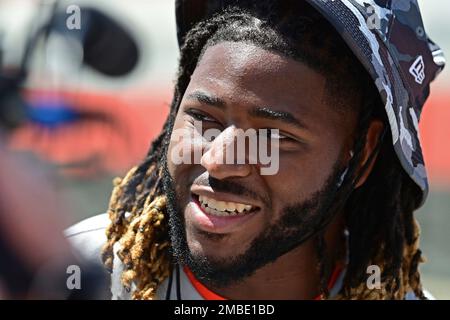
[213,223]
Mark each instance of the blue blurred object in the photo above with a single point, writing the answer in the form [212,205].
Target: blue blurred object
[108,48]
[51,114]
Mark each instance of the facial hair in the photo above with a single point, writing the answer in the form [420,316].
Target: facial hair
[298,223]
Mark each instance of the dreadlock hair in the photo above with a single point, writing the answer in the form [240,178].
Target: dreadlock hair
[379,214]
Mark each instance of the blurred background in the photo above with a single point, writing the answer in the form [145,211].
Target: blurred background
[92,119]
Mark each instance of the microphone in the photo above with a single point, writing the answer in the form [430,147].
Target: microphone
[107,46]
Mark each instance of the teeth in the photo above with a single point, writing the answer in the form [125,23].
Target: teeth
[212,203]
[222,208]
[220,205]
[230,206]
[240,207]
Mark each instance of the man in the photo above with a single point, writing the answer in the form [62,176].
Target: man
[338,87]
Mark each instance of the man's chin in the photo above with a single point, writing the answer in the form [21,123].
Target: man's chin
[214,270]
[213,251]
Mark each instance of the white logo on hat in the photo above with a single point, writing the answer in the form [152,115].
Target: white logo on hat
[417,69]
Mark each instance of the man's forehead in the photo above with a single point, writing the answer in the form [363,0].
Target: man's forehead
[245,58]
[229,69]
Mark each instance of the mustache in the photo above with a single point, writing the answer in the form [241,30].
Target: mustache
[229,186]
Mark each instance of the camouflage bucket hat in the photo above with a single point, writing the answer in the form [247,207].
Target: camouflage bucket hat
[389,39]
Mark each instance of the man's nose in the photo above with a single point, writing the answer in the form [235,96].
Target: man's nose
[220,159]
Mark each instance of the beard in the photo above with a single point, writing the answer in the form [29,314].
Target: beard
[298,223]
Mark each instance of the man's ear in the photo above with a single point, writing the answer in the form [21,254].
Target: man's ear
[373,135]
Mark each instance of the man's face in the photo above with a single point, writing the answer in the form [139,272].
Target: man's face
[238,86]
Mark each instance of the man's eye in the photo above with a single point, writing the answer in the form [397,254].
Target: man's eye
[276,134]
[199,116]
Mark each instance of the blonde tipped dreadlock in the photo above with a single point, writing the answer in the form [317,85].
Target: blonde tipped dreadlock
[143,240]
[407,281]
[379,214]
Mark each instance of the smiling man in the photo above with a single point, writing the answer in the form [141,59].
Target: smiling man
[339,100]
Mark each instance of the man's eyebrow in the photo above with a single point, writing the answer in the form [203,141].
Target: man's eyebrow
[256,112]
[269,113]
[206,98]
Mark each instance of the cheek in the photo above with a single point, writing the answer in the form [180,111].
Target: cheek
[183,156]
[299,176]
[181,148]
[178,170]
[186,145]
[173,166]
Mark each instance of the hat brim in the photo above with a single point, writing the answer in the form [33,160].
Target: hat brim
[368,46]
